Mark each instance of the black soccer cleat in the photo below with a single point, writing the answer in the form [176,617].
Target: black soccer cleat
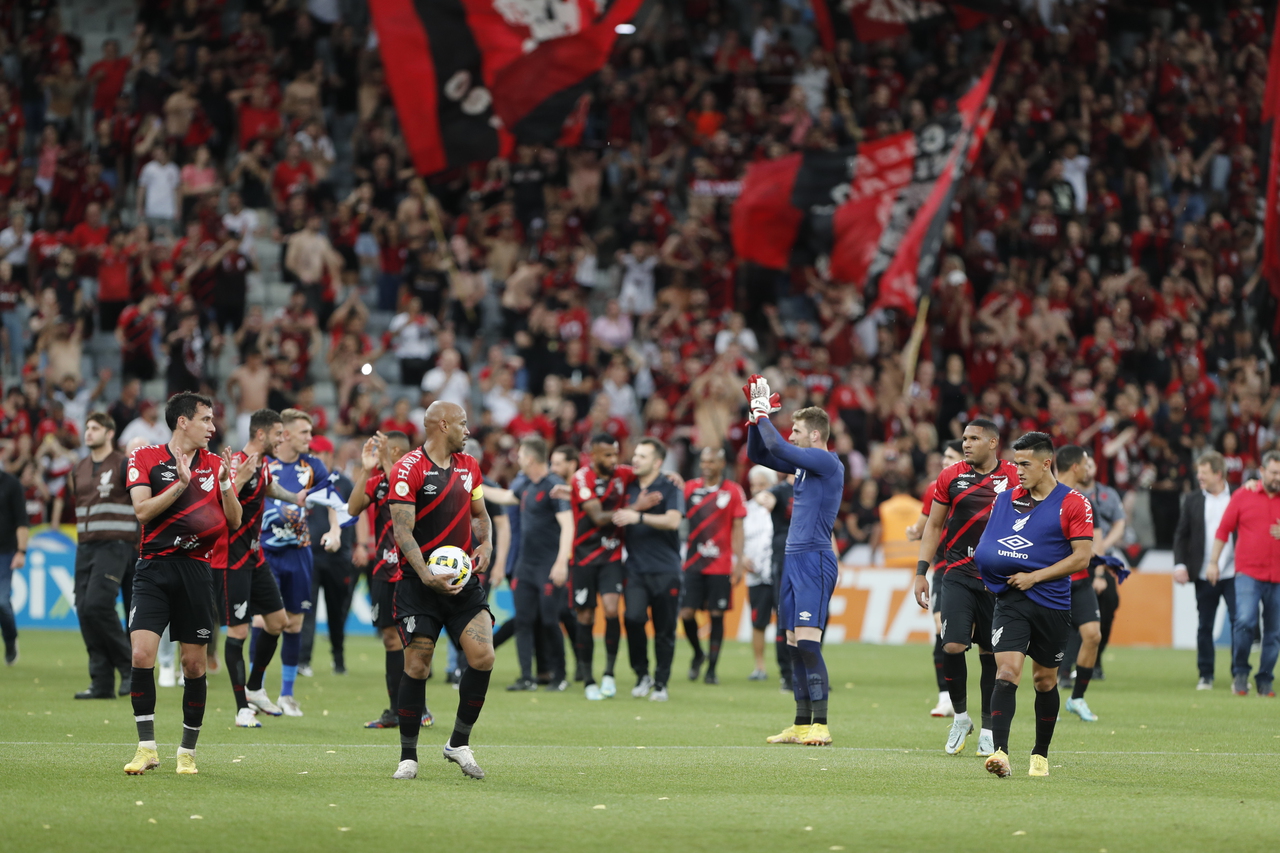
[695,668]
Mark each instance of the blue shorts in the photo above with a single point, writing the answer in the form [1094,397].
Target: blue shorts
[292,569]
[807,586]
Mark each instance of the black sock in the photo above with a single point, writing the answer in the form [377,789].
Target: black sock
[233,654]
[142,690]
[1004,701]
[586,649]
[956,671]
[1048,704]
[713,644]
[395,669]
[987,683]
[783,653]
[262,656]
[691,634]
[938,656]
[800,688]
[612,636]
[194,695]
[1084,674]
[816,669]
[471,692]
[413,698]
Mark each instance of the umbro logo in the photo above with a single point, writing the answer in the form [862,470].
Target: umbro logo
[1016,543]
[203,633]
[306,605]
[1059,655]
[805,615]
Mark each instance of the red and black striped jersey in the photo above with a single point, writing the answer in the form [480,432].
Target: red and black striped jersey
[711,511]
[138,330]
[241,547]
[441,498]
[968,495]
[386,563]
[192,525]
[594,545]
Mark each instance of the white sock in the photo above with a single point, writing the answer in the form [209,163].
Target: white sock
[944,696]
[987,733]
[963,717]
[148,744]
[182,749]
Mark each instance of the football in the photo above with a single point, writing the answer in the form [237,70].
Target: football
[451,560]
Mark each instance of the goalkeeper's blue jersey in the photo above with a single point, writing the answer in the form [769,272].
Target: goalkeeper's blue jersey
[818,490]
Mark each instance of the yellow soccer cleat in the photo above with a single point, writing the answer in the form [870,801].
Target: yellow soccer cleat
[998,765]
[146,759]
[1039,766]
[818,735]
[187,764]
[791,734]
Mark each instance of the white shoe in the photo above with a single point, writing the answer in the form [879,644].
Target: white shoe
[944,707]
[290,706]
[594,693]
[659,695]
[258,700]
[408,769]
[247,719]
[608,687]
[465,759]
[305,670]
[168,677]
[961,728]
[642,688]
[986,743]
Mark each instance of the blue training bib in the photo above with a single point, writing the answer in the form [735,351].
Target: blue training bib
[1026,542]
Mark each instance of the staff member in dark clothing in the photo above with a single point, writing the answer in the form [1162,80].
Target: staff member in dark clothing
[332,572]
[107,547]
[777,499]
[13,556]
[1036,537]
[653,568]
[542,566]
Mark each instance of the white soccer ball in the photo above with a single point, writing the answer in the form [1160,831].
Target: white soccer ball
[452,562]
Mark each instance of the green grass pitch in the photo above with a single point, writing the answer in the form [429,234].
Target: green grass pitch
[1166,768]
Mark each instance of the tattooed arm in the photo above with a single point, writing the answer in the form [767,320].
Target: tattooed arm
[278,492]
[402,520]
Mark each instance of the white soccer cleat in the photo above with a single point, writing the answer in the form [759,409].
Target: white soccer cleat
[259,701]
[608,687]
[408,769]
[1080,708]
[961,728]
[986,743]
[594,694]
[659,695]
[642,688]
[465,759]
[944,707]
[290,706]
[168,677]
[247,719]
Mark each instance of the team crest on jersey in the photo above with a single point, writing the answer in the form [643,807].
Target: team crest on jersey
[1021,523]
[402,489]
[466,480]
[206,483]
[996,635]
[999,484]
[584,493]
[133,474]
[722,500]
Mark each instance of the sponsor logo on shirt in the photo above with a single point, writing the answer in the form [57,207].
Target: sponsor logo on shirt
[1016,545]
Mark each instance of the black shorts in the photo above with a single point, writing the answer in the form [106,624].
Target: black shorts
[420,610]
[174,594]
[1084,603]
[1022,625]
[966,610]
[382,602]
[246,591]
[761,600]
[707,592]
[586,582]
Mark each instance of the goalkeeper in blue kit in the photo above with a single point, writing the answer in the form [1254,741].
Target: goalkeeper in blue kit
[811,573]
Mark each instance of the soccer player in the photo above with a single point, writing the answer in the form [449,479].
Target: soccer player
[812,570]
[952,452]
[597,491]
[436,500]
[757,563]
[286,544]
[542,566]
[962,498]
[370,490]
[650,523]
[1072,463]
[1037,535]
[713,561]
[185,499]
[245,584]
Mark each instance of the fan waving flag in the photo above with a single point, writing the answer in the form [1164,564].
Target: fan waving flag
[467,76]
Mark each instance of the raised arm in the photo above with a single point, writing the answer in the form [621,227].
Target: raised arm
[815,460]
[758,453]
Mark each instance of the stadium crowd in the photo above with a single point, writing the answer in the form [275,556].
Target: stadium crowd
[1098,281]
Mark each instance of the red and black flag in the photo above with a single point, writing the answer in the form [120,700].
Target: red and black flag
[874,20]
[469,77]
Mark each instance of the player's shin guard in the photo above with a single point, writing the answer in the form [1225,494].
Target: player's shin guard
[290,648]
[263,652]
[1048,704]
[194,695]
[142,690]
[955,669]
[585,646]
[691,634]
[233,654]
[471,692]
[413,698]
[816,672]
[939,657]
[987,684]
[1084,674]
[800,688]
[395,669]
[1004,701]
[714,642]
[612,636]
